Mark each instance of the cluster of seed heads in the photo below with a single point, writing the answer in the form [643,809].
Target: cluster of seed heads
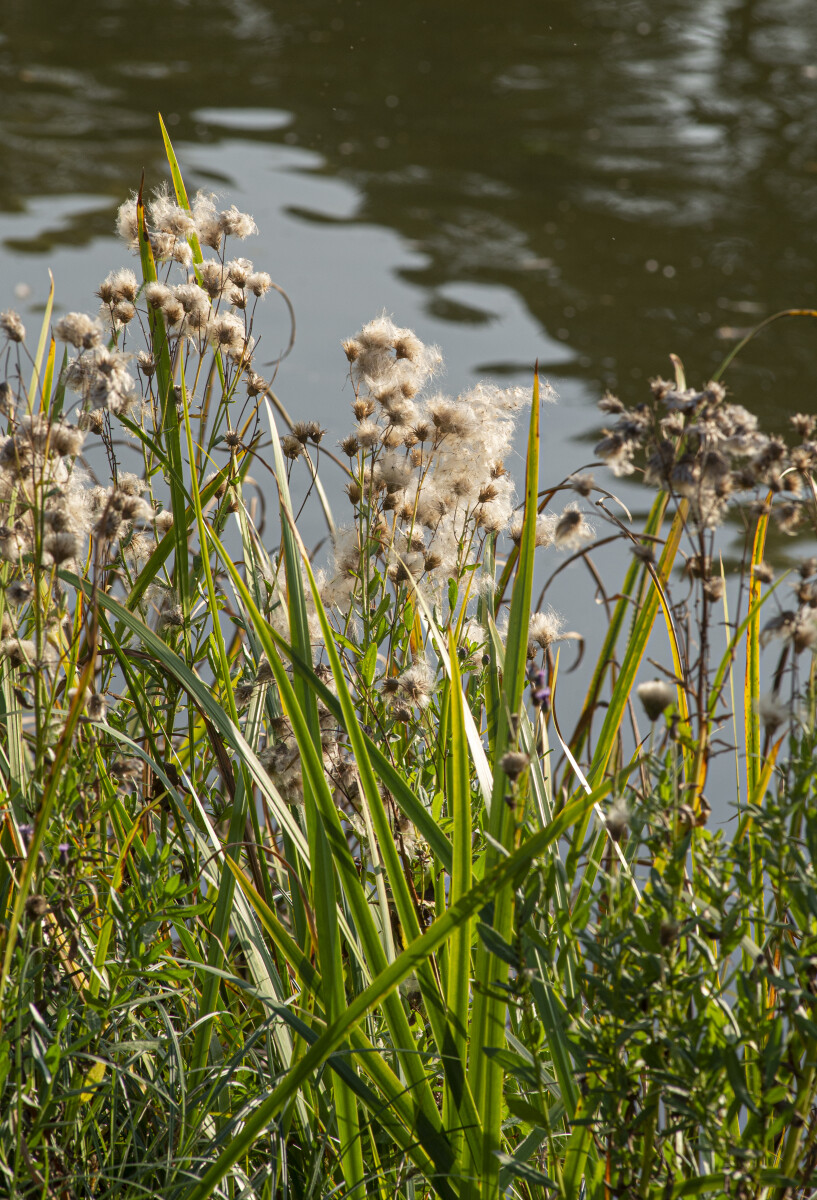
[710,452]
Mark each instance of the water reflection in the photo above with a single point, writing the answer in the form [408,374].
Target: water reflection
[643,177]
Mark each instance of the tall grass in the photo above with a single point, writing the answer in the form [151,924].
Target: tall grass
[305,890]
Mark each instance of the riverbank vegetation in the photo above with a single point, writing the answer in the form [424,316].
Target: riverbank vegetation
[306,891]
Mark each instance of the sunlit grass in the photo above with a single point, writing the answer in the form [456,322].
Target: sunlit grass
[306,891]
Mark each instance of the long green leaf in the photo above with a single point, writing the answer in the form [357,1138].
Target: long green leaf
[35,392]
[488,1018]
[354,893]
[433,1153]
[458,797]
[203,699]
[502,875]
[170,418]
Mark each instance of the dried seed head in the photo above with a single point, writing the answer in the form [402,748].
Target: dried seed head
[256,384]
[172,616]
[583,484]
[233,223]
[227,331]
[571,530]
[36,907]
[126,223]
[804,632]
[773,711]
[451,417]
[416,684]
[206,219]
[617,453]
[12,326]
[19,651]
[66,439]
[239,271]
[259,283]
[264,672]
[363,408]
[118,285]
[610,403]
[788,516]
[368,434]
[409,346]
[642,553]
[79,330]
[544,628]
[126,768]
[803,424]
[513,763]
[713,588]
[656,696]
[617,819]
[18,591]
[698,566]
[212,278]
[93,420]
[146,363]
[292,448]
[243,693]
[6,399]
[62,546]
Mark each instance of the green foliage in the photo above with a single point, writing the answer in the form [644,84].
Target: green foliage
[297,899]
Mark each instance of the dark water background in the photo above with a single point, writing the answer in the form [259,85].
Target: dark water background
[592,183]
[639,177]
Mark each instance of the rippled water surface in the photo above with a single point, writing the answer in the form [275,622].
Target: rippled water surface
[589,183]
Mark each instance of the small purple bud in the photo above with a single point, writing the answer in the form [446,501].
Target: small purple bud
[25,833]
[64,850]
[537,677]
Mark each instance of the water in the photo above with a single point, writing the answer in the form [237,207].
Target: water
[589,184]
[613,182]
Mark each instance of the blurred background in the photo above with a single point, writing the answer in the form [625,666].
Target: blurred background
[591,184]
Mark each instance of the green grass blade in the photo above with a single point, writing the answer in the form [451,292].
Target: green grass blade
[353,890]
[437,1152]
[170,418]
[623,606]
[751,687]
[47,801]
[458,797]
[636,647]
[202,697]
[243,790]
[501,876]
[178,187]
[35,393]
[488,1015]
[409,804]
